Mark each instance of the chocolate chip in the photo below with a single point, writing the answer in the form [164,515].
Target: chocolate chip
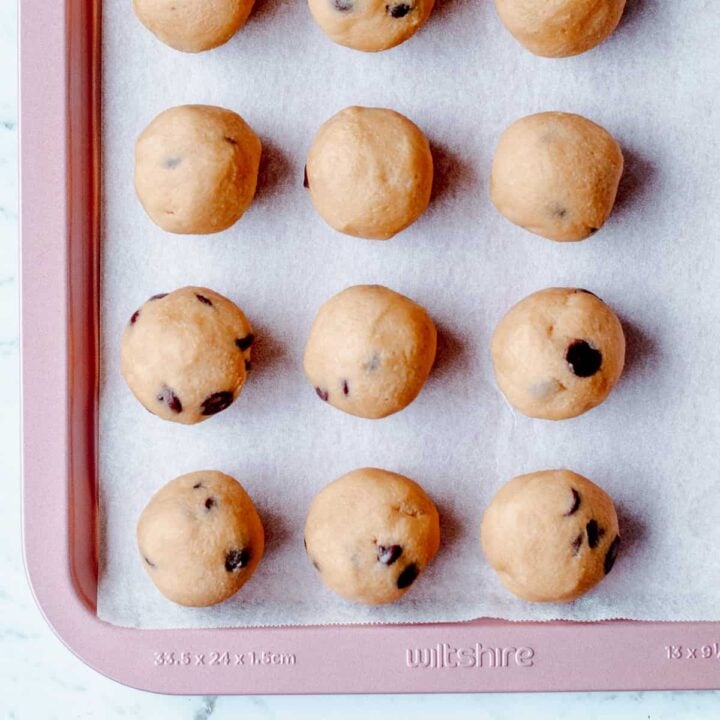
[593,534]
[322,394]
[203,299]
[170,399]
[558,211]
[373,364]
[345,388]
[584,360]
[593,230]
[216,402]
[172,162]
[611,555]
[588,292]
[305,544]
[232,141]
[399,10]
[575,502]
[209,503]
[343,5]
[152,564]
[159,296]
[134,317]
[388,554]
[245,342]
[236,559]
[577,544]
[197,485]
[407,576]
[306,182]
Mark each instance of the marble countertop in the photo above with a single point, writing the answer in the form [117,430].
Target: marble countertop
[40,678]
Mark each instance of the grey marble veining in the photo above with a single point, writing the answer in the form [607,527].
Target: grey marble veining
[40,679]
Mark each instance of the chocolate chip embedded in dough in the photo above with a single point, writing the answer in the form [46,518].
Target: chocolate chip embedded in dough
[584,360]
[237,559]
[388,554]
[577,544]
[575,502]
[611,554]
[245,342]
[407,576]
[398,10]
[216,402]
[593,534]
[169,398]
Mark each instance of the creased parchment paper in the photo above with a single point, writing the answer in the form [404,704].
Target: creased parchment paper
[654,445]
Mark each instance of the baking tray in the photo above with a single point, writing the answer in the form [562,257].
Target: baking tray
[59,124]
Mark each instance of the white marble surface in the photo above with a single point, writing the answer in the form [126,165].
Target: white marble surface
[41,680]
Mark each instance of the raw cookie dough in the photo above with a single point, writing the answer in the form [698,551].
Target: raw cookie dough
[370,533]
[185,355]
[369,172]
[550,535]
[559,28]
[196,168]
[370,351]
[200,538]
[370,25]
[557,175]
[558,353]
[193,25]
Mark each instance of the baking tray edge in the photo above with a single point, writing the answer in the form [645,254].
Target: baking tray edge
[59,185]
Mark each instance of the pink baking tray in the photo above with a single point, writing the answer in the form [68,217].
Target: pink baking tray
[60,136]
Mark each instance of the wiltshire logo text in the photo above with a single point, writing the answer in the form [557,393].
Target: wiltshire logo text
[474,656]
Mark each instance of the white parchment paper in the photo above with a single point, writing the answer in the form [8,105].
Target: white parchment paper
[654,445]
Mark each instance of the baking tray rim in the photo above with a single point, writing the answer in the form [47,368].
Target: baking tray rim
[59,219]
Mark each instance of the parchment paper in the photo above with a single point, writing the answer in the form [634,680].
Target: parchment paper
[653,445]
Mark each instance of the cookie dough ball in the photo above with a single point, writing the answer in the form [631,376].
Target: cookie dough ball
[370,351]
[193,25]
[370,25]
[200,538]
[557,175]
[185,355]
[370,172]
[370,533]
[196,168]
[558,353]
[551,536]
[562,27]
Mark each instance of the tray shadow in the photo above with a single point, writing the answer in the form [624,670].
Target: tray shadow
[267,351]
[635,183]
[451,174]
[640,348]
[450,354]
[274,172]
